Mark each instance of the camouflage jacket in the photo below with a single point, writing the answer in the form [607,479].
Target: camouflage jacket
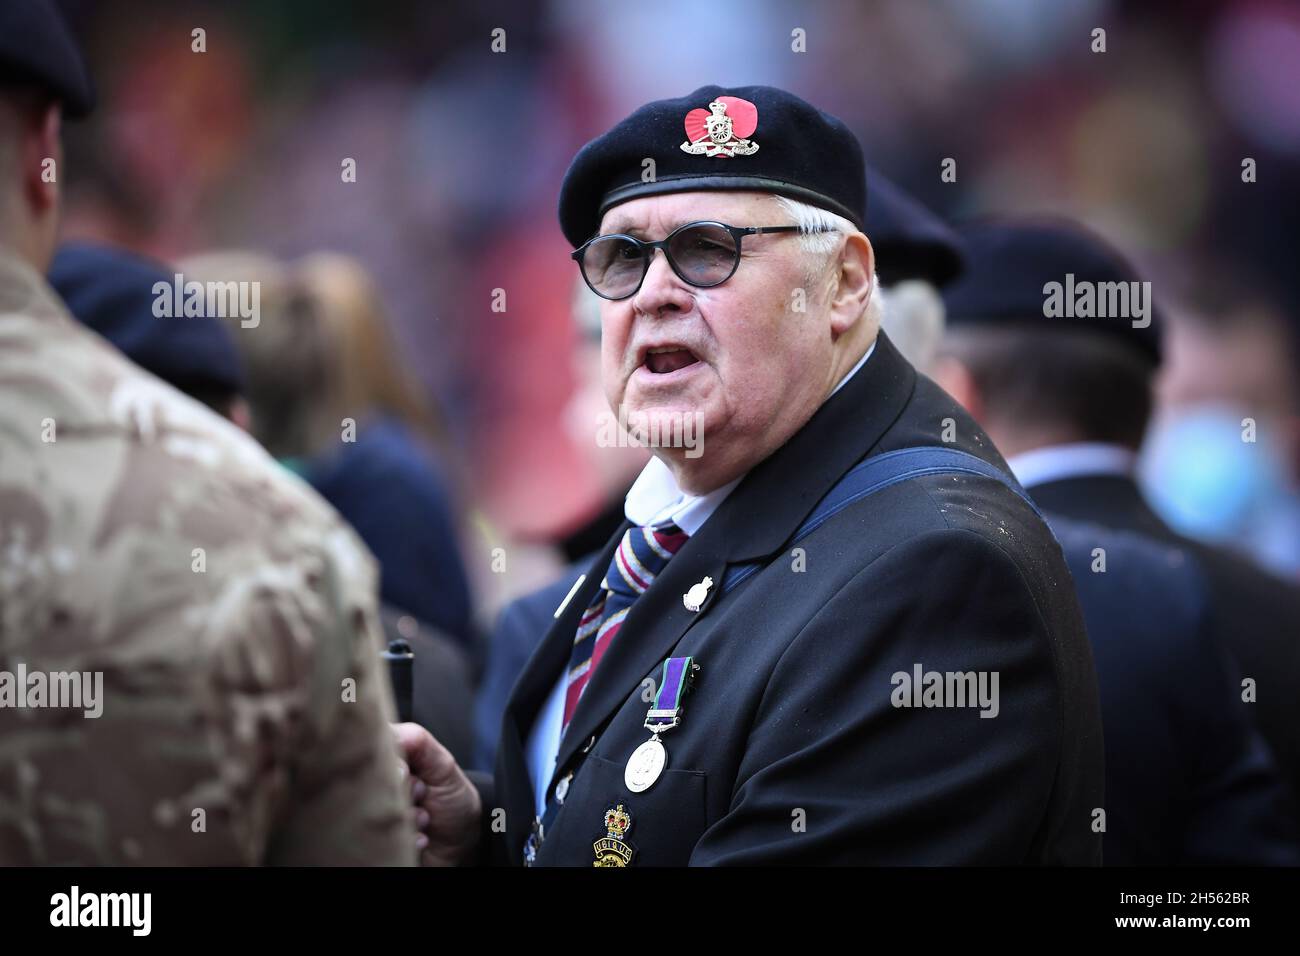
[227,614]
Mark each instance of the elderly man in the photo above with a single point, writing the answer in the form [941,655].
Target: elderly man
[823,635]
[210,621]
[916,254]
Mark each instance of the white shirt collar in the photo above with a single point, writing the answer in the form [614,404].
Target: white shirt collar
[655,496]
[854,371]
[1056,462]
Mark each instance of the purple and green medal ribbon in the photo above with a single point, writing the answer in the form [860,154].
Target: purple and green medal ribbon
[672,688]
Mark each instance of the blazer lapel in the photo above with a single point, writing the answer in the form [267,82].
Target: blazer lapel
[655,623]
[513,782]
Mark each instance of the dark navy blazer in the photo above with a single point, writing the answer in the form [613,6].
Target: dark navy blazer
[790,749]
[1189,780]
[1255,615]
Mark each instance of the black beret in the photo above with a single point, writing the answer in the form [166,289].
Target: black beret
[1050,273]
[112,292]
[37,48]
[910,241]
[742,138]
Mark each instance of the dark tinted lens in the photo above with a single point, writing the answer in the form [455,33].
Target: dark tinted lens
[613,266]
[705,254]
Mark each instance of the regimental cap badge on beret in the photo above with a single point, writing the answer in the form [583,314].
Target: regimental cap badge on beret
[722,131]
[807,155]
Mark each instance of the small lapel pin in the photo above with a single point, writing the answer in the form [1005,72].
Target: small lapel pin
[569,597]
[695,597]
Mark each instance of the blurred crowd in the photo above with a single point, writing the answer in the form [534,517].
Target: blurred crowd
[426,357]
[459,151]
[458,154]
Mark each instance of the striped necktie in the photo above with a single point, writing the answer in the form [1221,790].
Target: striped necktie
[640,556]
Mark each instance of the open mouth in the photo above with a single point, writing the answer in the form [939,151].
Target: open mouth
[672,358]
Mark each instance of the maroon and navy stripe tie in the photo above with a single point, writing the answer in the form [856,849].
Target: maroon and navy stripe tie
[640,556]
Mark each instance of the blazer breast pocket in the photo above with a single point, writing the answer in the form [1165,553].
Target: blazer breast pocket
[660,826]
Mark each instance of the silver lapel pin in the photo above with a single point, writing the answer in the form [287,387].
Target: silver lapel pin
[695,597]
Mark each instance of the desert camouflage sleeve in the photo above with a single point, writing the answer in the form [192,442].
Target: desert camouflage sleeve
[347,803]
[228,611]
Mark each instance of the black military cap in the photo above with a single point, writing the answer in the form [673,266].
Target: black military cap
[743,138]
[112,292]
[37,48]
[910,241]
[1052,273]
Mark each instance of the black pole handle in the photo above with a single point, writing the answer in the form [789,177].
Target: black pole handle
[401,665]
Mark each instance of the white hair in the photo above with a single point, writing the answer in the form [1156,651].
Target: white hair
[819,229]
[914,318]
[820,234]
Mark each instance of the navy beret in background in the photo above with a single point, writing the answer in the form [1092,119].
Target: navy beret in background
[910,241]
[111,292]
[1009,262]
[36,47]
[743,138]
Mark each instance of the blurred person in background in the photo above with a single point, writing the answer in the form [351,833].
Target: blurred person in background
[329,399]
[1189,780]
[211,605]
[917,254]
[1222,462]
[332,400]
[1068,398]
[112,292]
[394,483]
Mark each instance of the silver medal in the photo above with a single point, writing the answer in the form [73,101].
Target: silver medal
[645,765]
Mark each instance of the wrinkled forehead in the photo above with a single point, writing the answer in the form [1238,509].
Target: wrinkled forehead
[656,216]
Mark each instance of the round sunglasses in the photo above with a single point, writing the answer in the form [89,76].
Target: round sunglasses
[702,254]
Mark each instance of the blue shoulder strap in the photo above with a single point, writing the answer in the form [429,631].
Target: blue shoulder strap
[879,472]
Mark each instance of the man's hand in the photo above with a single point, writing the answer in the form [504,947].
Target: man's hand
[447,807]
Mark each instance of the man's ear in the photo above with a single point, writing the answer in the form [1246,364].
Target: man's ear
[853,289]
[42,160]
[955,379]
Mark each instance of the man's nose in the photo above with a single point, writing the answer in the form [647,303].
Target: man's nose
[661,290]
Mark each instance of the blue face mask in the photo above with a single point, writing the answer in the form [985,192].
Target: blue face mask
[1209,483]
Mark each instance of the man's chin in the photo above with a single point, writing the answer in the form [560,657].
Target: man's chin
[664,424]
